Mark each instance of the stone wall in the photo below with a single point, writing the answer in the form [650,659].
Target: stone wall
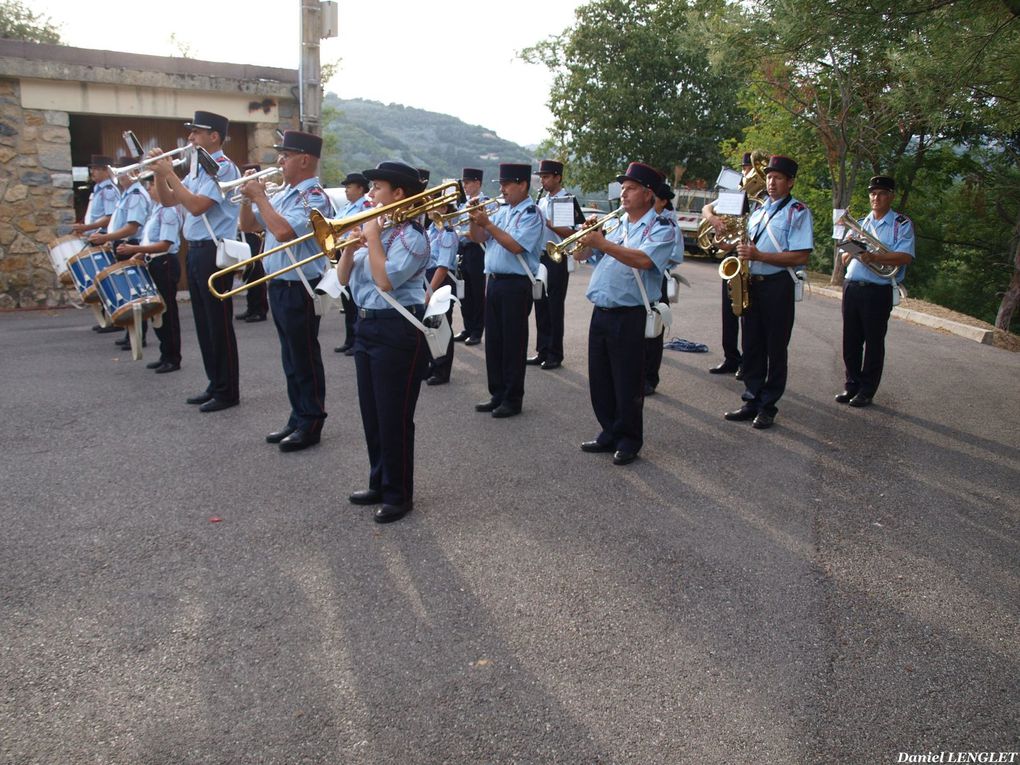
[36,202]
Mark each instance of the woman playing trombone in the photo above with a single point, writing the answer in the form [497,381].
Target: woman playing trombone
[390,353]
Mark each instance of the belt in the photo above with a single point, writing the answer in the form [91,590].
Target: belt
[293,282]
[621,308]
[418,311]
[508,276]
[767,277]
[192,243]
[859,283]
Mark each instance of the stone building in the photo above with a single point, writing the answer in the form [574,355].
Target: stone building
[59,105]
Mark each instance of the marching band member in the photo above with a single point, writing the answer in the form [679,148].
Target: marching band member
[443,243]
[210,217]
[256,298]
[868,297]
[513,241]
[730,321]
[103,198]
[472,267]
[781,239]
[286,217]
[639,248]
[389,352]
[356,188]
[653,350]
[161,239]
[550,310]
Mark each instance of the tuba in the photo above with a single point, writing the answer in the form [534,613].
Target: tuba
[856,232]
[752,183]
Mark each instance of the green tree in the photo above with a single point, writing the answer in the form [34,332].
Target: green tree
[18,22]
[633,82]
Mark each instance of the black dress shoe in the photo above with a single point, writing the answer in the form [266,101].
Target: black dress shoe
[461,336]
[349,351]
[278,435]
[487,406]
[742,414]
[621,457]
[763,421]
[437,380]
[725,368]
[649,389]
[506,410]
[215,405]
[298,440]
[343,348]
[254,318]
[534,360]
[123,342]
[242,316]
[739,374]
[845,396]
[861,399]
[390,513]
[167,366]
[111,328]
[550,364]
[594,447]
[365,497]
[473,341]
[155,364]
[201,398]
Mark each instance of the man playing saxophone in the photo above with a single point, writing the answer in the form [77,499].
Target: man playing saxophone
[868,297]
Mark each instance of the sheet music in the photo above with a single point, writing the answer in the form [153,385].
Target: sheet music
[728,179]
[561,211]
[838,232]
[730,203]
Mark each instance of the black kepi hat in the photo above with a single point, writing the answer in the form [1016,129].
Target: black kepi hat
[398,175]
[881,182]
[209,121]
[639,172]
[550,167]
[424,175]
[746,160]
[471,174]
[780,164]
[357,178]
[101,160]
[302,143]
[510,172]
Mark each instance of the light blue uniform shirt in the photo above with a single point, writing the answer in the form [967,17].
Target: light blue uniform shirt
[407,253]
[133,207]
[896,232]
[612,283]
[525,224]
[676,257]
[103,201]
[295,205]
[353,208]
[789,230]
[163,225]
[443,248]
[223,214]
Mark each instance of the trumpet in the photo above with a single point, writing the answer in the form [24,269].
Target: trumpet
[330,234]
[873,246]
[460,218]
[572,244]
[226,186]
[115,171]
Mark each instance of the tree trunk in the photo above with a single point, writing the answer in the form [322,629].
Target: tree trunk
[1011,298]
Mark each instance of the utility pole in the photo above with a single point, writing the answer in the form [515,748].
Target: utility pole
[318,20]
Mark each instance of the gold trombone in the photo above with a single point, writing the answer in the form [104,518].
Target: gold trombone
[331,234]
[572,244]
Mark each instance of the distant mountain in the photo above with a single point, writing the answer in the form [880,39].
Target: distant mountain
[369,132]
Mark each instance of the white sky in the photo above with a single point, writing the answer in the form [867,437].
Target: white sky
[506,96]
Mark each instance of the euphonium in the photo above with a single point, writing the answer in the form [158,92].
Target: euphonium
[753,181]
[874,246]
[712,241]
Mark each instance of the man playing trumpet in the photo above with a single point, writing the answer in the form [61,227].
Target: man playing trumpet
[868,297]
[291,298]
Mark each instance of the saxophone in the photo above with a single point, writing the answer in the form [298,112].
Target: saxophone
[737,274]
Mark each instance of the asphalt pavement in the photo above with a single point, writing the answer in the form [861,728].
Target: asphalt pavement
[843,587]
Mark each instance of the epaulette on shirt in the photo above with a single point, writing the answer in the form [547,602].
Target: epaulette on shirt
[530,210]
[665,220]
[797,206]
[901,218]
[223,159]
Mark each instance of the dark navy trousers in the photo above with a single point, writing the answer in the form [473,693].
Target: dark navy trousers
[166,272]
[214,322]
[616,375]
[472,271]
[298,328]
[550,311]
[767,325]
[730,327]
[441,367]
[507,307]
[866,309]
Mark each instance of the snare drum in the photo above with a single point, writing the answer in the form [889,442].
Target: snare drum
[124,285]
[85,267]
[61,249]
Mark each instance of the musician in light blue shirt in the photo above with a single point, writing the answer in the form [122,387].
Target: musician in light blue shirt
[868,297]
[129,214]
[638,248]
[356,189]
[513,240]
[210,216]
[781,237]
[284,218]
[103,199]
[443,245]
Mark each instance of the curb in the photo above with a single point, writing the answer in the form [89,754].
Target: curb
[983,336]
